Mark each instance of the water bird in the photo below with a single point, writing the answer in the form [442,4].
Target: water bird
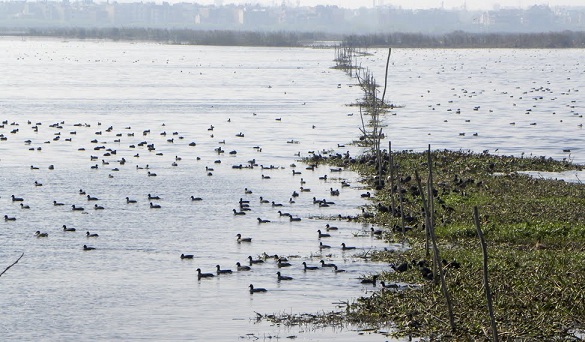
[220,271]
[238,212]
[328,227]
[39,234]
[294,219]
[365,195]
[242,268]
[255,261]
[346,248]
[277,204]
[375,231]
[309,268]
[16,199]
[154,206]
[322,246]
[283,277]
[283,214]
[186,256]
[88,234]
[91,198]
[73,207]
[256,290]
[203,275]
[263,221]
[98,207]
[241,239]
[153,197]
[66,229]
[55,203]
[262,200]
[129,201]
[323,235]
[336,270]
[247,191]
[88,248]
[38,184]
[24,206]
[196,198]
[370,280]
[82,192]
[282,263]
[323,264]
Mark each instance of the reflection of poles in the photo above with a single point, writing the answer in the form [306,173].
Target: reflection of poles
[486,284]
[14,263]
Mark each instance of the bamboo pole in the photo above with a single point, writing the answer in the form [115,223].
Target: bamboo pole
[486,284]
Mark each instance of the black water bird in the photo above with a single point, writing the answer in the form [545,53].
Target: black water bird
[256,290]
[283,277]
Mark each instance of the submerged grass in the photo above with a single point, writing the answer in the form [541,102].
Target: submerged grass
[535,231]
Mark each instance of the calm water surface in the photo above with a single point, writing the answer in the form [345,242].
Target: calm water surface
[285,102]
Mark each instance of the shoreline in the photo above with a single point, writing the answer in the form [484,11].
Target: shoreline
[536,247]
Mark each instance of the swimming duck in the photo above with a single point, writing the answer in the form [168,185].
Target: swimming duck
[242,268]
[346,248]
[241,239]
[196,198]
[73,207]
[294,219]
[282,263]
[238,212]
[186,256]
[263,221]
[65,229]
[257,261]
[256,290]
[39,234]
[336,270]
[98,207]
[8,218]
[128,200]
[153,197]
[323,264]
[309,268]
[24,206]
[370,280]
[55,203]
[282,277]
[322,246]
[277,204]
[220,271]
[322,235]
[328,227]
[203,275]
[154,206]
[88,248]
[17,199]
[88,234]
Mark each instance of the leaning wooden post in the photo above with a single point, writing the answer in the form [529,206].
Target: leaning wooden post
[486,284]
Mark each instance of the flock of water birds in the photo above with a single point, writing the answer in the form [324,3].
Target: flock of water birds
[107,152]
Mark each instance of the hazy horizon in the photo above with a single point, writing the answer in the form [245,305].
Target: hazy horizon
[407,4]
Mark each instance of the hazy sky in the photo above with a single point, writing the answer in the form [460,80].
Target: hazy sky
[471,4]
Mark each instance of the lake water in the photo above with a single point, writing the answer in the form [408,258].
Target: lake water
[285,103]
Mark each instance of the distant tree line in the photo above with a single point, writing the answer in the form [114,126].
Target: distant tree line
[460,39]
[187,36]
[457,39]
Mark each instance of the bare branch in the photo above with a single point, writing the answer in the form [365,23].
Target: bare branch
[14,263]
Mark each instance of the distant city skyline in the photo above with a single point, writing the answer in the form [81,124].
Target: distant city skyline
[407,4]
